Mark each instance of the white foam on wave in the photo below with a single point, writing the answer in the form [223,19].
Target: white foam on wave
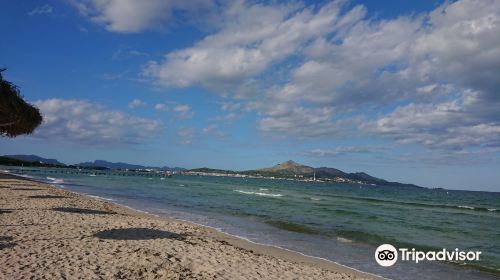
[260,193]
[100,197]
[344,240]
[26,176]
[55,180]
[492,209]
[465,207]
[315,198]
[263,189]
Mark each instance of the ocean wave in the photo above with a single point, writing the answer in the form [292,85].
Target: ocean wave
[260,193]
[417,204]
[263,189]
[344,240]
[315,198]
[55,180]
[291,226]
[100,197]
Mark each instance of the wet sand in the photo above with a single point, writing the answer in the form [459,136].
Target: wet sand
[50,233]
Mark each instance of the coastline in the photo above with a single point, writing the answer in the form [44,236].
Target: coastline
[269,261]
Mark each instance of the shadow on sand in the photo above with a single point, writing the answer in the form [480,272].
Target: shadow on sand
[82,211]
[28,189]
[137,234]
[5,242]
[5,211]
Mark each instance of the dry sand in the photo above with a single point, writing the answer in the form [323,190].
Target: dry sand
[49,233]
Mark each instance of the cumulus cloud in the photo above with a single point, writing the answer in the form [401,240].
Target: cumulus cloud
[136,103]
[160,107]
[129,16]
[84,122]
[41,10]
[342,150]
[253,37]
[183,111]
[328,69]
[456,124]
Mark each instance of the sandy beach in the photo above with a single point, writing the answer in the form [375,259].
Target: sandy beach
[50,233]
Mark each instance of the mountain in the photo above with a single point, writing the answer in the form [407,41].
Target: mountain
[366,177]
[289,167]
[294,170]
[328,171]
[35,158]
[17,162]
[123,165]
[110,165]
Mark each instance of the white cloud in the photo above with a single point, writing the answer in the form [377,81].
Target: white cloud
[183,111]
[283,119]
[136,103]
[455,124]
[128,16]
[160,107]
[230,106]
[124,52]
[341,151]
[186,135]
[317,71]
[41,10]
[213,130]
[252,38]
[90,123]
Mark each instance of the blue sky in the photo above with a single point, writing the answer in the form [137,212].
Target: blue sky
[403,90]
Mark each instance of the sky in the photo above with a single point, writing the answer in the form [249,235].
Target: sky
[407,91]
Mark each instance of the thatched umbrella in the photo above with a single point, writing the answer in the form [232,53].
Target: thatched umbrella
[16,115]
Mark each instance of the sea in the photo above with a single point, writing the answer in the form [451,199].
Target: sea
[342,223]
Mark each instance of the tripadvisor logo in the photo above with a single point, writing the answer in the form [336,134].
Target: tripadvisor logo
[387,255]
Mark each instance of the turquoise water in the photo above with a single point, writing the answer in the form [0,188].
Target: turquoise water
[339,222]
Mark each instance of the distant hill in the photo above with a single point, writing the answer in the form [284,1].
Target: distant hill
[123,165]
[328,171]
[176,168]
[292,169]
[17,162]
[35,158]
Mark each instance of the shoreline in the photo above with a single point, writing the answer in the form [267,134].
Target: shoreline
[236,242]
